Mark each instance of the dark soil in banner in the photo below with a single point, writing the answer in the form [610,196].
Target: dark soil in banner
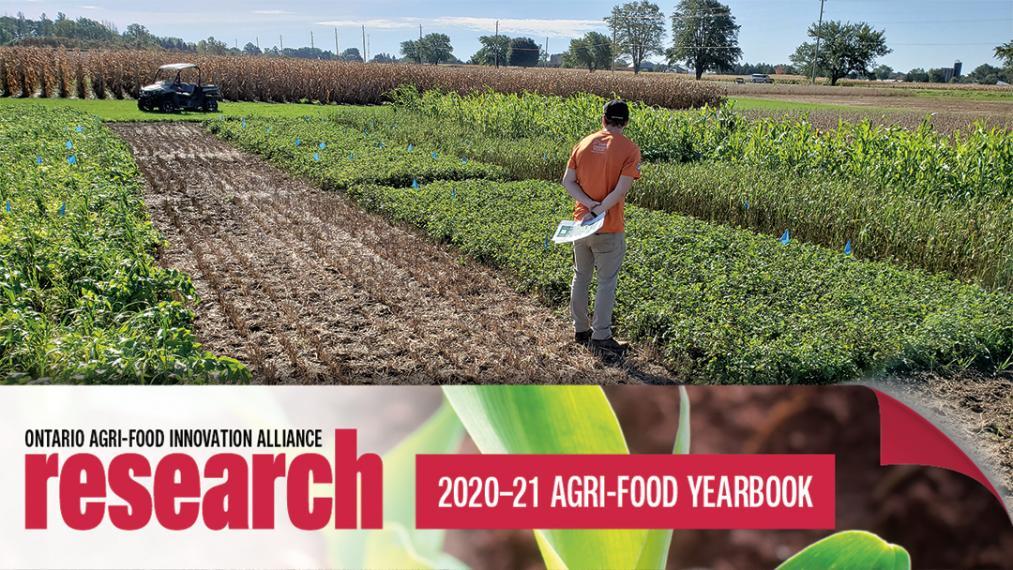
[945,520]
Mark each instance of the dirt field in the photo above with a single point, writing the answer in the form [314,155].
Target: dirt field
[302,286]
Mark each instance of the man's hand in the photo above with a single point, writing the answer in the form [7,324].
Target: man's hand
[598,209]
[588,216]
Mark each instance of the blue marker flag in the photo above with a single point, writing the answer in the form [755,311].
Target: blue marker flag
[464,160]
[785,238]
[63,209]
[847,248]
[435,155]
[545,244]
[351,156]
[745,204]
[453,193]
[69,145]
[415,184]
[8,206]
[244,123]
[545,156]
[72,159]
[411,147]
[38,160]
[322,146]
[298,141]
[316,156]
[379,144]
[79,129]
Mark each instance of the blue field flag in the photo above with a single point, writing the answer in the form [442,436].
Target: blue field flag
[847,248]
[351,156]
[379,144]
[79,129]
[72,159]
[69,144]
[453,193]
[38,160]
[464,160]
[322,146]
[63,210]
[316,157]
[411,147]
[415,184]
[244,123]
[298,141]
[7,206]
[745,204]
[785,238]
[435,155]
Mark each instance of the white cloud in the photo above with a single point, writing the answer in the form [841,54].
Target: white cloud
[515,26]
[272,12]
[531,26]
[376,23]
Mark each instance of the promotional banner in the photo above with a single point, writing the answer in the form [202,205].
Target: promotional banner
[627,285]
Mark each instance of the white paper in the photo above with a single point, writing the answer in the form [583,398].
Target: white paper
[570,231]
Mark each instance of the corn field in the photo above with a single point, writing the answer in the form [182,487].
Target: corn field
[119,74]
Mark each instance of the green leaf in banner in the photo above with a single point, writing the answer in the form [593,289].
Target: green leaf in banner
[552,419]
[850,550]
[399,544]
[655,553]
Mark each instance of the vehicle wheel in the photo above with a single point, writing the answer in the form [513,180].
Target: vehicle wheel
[143,106]
[212,106]
[168,107]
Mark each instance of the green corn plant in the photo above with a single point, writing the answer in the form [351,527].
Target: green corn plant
[557,420]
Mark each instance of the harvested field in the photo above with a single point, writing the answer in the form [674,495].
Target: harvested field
[302,286]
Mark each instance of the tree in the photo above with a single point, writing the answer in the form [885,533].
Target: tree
[350,54]
[432,48]
[937,75]
[917,75]
[211,46]
[1005,53]
[844,47]
[494,49]
[704,35]
[638,28]
[384,58]
[593,51]
[986,74]
[137,36]
[883,72]
[251,49]
[523,52]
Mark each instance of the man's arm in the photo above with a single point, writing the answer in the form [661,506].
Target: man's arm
[575,191]
[615,196]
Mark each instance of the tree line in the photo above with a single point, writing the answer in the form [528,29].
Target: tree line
[704,37]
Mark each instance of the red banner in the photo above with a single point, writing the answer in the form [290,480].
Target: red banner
[625,491]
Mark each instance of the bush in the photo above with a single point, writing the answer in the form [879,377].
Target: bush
[83,299]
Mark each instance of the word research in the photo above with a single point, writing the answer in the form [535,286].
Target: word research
[230,491]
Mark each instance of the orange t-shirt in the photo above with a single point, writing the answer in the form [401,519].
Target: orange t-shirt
[600,159]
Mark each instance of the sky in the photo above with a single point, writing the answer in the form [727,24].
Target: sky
[922,33]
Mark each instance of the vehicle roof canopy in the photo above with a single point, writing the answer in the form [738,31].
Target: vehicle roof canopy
[176,67]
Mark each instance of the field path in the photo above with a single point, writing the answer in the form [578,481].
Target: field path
[303,286]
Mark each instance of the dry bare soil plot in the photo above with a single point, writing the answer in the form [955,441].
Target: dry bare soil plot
[303,286]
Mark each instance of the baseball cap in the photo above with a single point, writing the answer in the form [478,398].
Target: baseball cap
[617,110]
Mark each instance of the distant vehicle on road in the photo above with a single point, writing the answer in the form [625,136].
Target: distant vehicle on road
[761,78]
[170,94]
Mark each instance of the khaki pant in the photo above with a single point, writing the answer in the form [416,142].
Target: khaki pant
[603,252]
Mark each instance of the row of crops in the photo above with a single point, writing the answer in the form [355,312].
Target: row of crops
[720,303]
[917,198]
[81,297]
[102,74]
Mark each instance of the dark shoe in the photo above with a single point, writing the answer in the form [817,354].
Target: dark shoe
[609,345]
[582,338]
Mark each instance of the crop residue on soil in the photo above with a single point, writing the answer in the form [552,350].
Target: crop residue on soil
[301,285]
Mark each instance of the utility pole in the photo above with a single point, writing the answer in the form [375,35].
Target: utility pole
[546,51]
[258,43]
[281,43]
[419,48]
[368,46]
[336,51]
[819,30]
[497,44]
[614,54]
[312,46]
[363,44]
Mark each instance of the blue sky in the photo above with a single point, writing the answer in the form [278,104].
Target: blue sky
[922,33]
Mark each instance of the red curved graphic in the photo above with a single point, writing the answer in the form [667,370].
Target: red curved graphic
[907,438]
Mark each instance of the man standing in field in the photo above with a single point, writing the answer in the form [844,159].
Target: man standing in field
[600,173]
